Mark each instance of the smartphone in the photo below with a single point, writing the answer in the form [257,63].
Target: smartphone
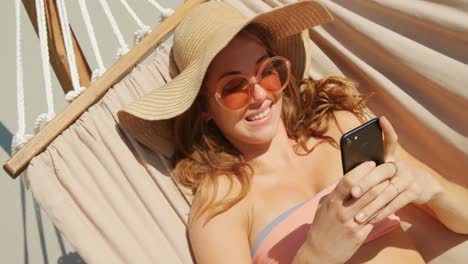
[362,144]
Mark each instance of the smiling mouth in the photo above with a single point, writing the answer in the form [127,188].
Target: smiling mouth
[259,116]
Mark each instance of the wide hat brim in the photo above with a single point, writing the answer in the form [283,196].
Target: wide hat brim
[149,118]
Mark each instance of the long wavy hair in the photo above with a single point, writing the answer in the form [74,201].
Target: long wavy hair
[203,154]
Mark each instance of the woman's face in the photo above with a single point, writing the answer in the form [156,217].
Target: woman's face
[243,55]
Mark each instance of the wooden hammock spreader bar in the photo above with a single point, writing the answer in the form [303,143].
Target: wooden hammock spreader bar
[19,161]
[58,56]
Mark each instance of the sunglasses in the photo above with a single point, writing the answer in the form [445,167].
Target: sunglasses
[235,92]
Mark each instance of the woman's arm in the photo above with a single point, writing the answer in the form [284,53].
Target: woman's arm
[335,237]
[224,238]
[449,205]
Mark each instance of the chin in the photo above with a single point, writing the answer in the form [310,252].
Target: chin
[262,130]
[259,139]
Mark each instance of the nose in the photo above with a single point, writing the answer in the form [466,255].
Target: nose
[258,94]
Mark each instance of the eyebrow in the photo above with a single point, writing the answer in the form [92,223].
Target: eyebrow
[237,72]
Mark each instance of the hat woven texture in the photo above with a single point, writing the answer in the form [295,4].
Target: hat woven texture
[202,34]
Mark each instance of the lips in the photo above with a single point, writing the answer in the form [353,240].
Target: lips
[263,111]
[259,116]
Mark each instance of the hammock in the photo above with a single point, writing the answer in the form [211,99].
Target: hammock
[115,201]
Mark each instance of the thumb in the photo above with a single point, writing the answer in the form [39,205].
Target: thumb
[390,139]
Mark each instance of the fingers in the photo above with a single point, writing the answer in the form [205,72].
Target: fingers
[395,205]
[352,178]
[364,207]
[356,207]
[379,174]
[387,202]
[374,196]
[390,138]
[389,193]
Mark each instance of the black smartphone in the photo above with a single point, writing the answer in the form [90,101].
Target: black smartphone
[362,144]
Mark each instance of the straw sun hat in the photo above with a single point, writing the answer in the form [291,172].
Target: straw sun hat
[202,34]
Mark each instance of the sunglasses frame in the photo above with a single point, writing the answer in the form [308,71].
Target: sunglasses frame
[252,81]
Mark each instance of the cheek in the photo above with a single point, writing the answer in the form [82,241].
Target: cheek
[224,119]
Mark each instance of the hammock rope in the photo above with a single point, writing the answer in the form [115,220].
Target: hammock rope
[92,37]
[165,12]
[44,118]
[20,138]
[67,40]
[143,28]
[123,46]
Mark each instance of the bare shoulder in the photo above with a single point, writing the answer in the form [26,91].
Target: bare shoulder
[343,122]
[346,120]
[227,230]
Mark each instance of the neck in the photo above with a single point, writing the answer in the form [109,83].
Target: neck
[269,156]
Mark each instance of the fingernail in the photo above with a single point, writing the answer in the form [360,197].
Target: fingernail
[372,163]
[384,120]
[356,191]
[361,216]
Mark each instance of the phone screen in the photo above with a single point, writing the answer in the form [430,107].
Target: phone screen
[362,144]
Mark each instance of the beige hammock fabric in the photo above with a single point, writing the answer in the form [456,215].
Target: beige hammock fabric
[115,201]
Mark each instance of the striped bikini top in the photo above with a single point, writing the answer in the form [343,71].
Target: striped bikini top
[280,240]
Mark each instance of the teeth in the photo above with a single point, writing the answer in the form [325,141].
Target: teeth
[259,116]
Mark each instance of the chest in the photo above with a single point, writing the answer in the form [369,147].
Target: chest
[291,186]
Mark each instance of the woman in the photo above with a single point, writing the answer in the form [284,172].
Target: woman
[259,148]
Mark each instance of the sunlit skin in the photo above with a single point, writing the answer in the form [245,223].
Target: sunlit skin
[282,178]
[270,152]
[248,138]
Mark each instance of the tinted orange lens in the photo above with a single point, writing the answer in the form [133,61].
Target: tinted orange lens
[235,93]
[274,76]
[272,82]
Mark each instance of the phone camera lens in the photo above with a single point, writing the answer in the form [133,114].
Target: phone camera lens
[348,141]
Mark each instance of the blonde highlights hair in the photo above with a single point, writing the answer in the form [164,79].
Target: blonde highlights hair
[203,154]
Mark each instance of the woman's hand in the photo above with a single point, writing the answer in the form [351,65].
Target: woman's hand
[407,183]
[365,195]
[334,235]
